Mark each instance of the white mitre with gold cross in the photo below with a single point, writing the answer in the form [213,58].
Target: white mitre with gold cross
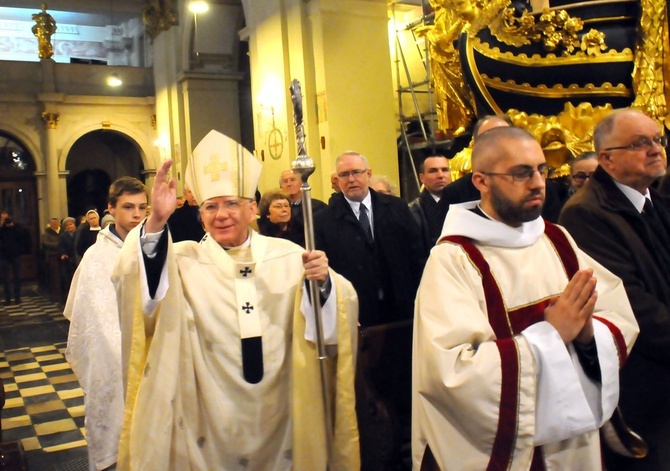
[220,166]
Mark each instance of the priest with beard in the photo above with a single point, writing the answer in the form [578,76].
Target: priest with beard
[516,353]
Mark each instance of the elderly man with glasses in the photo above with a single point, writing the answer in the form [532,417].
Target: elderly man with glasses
[219,349]
[372,239]
[623,223]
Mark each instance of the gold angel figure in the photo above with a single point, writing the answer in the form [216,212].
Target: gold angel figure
[44,28]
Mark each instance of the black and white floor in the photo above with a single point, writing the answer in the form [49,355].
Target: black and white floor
[44,406]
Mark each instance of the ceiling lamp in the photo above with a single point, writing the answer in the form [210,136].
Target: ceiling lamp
[198,6]
[114,80]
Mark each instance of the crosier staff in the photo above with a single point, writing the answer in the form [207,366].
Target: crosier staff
[303,165]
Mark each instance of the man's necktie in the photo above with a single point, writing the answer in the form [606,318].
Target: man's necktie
[651,217]
[365,221]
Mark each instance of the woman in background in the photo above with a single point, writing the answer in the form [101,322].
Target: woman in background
[275,218]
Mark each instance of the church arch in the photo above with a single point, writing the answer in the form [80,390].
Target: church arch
[93,161]
[18,194]
[145,148]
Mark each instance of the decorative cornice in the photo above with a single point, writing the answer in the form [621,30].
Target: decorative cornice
[550,59]
[558,90]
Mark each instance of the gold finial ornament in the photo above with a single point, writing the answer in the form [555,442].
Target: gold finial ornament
[44,28]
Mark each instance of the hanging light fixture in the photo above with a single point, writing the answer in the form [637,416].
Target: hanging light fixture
[198,6]
[114,80]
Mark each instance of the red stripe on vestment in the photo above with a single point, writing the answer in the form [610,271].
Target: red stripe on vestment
[563,248]
[618,340]
[526,316]
[494,301]
[503,445]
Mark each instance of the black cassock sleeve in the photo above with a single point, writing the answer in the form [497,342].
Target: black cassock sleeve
[154,265]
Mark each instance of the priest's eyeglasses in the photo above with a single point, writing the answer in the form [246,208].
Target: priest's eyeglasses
[644,143]
[525,174]
[230,206]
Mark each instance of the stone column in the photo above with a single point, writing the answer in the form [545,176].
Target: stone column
[51,123]
[62,190]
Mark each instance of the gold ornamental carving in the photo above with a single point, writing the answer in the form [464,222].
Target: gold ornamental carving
[454,100]
[44,28]
[551,59]
[565,135]
[556,30]
[50,119]
[158,16]
[557,90]
[562,137]
[651,64]
[567,41]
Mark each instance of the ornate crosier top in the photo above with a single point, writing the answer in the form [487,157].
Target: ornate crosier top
[296,98]
[303,164]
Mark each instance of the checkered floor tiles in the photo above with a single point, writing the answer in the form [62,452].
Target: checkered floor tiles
[34,309]
[44,405]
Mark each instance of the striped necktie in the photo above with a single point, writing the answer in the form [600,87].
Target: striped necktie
[365,221]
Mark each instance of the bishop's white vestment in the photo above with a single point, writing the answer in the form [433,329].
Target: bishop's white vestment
[189,404]
[494,386]
[94,347]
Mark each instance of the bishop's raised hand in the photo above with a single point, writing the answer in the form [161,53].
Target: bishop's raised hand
[163,199]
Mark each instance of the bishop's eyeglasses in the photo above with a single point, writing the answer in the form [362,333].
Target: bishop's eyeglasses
[230,206]
[644,143]
[524,174]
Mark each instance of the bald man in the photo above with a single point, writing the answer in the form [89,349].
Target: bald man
[515,354]
[463,189]
[623,223]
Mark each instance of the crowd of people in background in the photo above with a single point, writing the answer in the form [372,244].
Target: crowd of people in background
[492,254]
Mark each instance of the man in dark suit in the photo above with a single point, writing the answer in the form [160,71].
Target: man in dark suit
[372,240]
[379,248]
[290,182]
[185,223]
[435,176]
[624,224]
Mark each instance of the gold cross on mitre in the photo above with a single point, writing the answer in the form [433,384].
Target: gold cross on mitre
[215,167]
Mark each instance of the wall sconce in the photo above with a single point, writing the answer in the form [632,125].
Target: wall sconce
[114,80]
[162,144]
[270,95]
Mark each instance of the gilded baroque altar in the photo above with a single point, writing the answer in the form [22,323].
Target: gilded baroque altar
[555,72]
